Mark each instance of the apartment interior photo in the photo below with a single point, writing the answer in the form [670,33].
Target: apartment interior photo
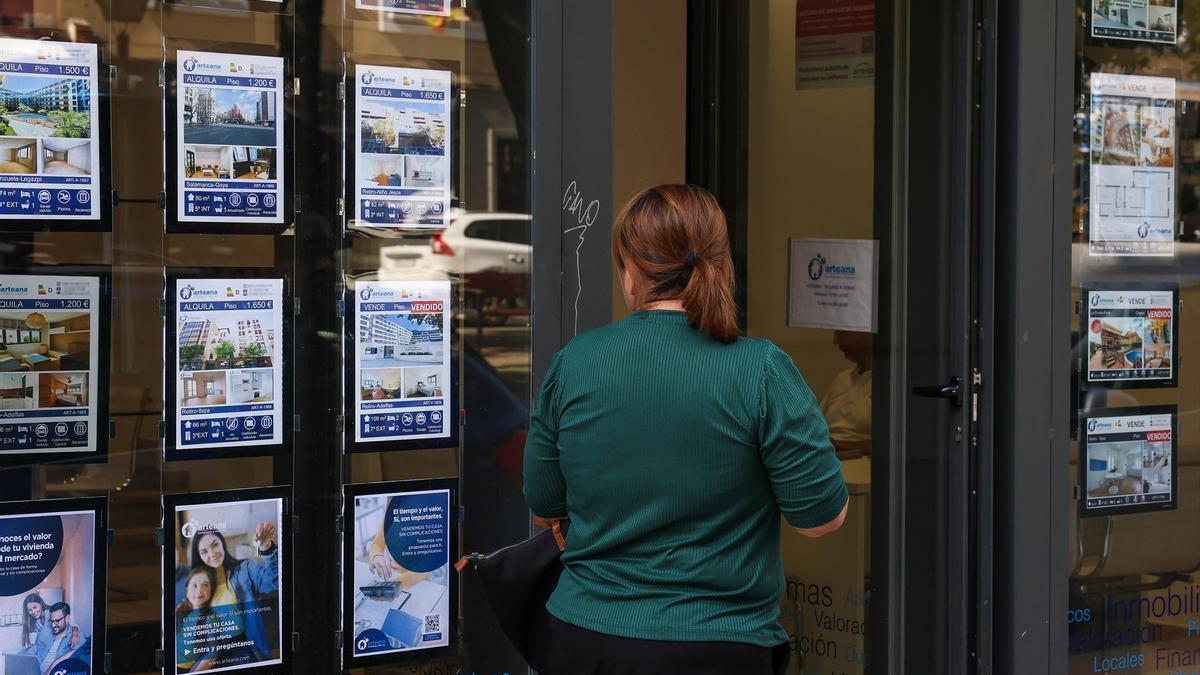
[202,388]
[17,391]
[206,162]
[18,155]
[253,163]
[66,157]
[45,341]
[62,390]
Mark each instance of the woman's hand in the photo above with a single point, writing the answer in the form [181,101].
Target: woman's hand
[380,567]
[264,534]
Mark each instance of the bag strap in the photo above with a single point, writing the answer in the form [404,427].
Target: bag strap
[559,537]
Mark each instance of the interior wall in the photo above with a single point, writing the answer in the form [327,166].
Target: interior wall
[810,175]
[649,102]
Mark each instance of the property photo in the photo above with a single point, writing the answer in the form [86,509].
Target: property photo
[18,391]
[381,170]
[381,384]
[426,171]
[62,390]
[18,155]
[422,383]
[1162,19]
[253,163]
[1116,343]
[66,157]
[1129,468]
[398,340]
[403,127]
[1116,135]
[212,162]
[228,116]
[45,340]
[251,386]
[37,105]
[1118,15]
[221,342]
[202,389]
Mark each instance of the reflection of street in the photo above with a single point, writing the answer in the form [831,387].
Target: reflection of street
[230,134]
[506,349]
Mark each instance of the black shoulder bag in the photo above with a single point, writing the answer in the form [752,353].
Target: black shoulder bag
[518,581]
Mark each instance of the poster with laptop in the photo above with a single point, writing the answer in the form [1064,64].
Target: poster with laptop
[50,572]
[423,7]
[228,356]
[403,158]
[229,131]
[401,378]
[1155,21]
[50,357]
[49,130]
[1131,208]
[398,553]
[223,606]
[1131,336]
[1129,461]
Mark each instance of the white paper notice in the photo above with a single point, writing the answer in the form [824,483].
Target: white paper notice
[833,284]
[402,166]
[230,138]
[49,123]
[1132,200]
[402,360]
[49,346]
[229,361]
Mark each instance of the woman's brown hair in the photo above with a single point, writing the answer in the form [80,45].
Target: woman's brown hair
[675,242]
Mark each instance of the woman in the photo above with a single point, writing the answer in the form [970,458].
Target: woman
[194,612]
[238,585]
[33,619]
[674,445]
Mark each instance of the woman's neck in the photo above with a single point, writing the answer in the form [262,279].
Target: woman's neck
[673,305]
[221,578]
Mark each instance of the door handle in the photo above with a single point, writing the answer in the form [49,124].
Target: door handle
[952,391]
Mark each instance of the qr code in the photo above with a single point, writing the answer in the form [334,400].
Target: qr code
[433,623]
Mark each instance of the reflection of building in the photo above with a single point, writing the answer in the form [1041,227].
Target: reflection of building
[197,106]
[70,95]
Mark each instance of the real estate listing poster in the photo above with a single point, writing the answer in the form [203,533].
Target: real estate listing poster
[402,166]
[229,133]
[398,547]
[1131,336]
[1129,460]
[1139,20]
[223,605]
[229,364]
[51,575]
[1132,167]
[402,379]
[50,369]
[426,7]
[49,130]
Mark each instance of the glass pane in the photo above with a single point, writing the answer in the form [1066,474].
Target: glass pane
[1133,449]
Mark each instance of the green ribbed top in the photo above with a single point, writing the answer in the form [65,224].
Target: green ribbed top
[674,456]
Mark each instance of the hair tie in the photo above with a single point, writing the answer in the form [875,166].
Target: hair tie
[690,261]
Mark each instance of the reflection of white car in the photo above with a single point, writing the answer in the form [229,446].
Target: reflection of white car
[481,242]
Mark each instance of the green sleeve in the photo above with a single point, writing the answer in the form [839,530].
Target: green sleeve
[545,488]
[801,463]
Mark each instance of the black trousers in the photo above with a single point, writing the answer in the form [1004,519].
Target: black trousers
[565,649]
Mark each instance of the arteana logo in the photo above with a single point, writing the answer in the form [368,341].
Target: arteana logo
[365,293]
[185,293]
[1143,231]
[1092,424]
[188,529]
[13,289]
[819,266]
[368,77]
[190,64]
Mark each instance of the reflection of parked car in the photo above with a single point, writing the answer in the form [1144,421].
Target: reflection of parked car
[481,242]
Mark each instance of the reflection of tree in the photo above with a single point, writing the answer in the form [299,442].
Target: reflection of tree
[252,351]
[385,131]
[224,350]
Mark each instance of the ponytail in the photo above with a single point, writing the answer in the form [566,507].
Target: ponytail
[676,242]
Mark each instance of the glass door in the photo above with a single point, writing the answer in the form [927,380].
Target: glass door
[844,153]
